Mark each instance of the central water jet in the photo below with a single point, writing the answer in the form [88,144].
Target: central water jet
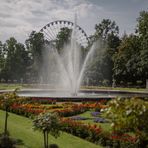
[66,68]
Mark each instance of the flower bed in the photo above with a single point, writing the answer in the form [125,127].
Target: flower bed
[71,111]
[88,132]
[99,120]
[93,133]
[95,114]
[78,118]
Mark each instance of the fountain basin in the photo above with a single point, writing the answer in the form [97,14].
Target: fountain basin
[83,95]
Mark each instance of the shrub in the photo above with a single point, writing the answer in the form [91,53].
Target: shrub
[6,141]
[48,123]
[129,115]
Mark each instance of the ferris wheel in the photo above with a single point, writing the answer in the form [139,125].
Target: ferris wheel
[52,29]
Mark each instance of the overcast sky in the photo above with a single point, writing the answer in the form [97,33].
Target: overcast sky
[19,17]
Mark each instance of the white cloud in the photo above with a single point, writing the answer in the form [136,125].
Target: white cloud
[19,17]
[23,16]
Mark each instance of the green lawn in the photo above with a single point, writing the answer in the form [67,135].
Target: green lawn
[6,86]
[111,88]
[21,128]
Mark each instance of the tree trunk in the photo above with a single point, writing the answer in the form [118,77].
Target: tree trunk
[47,139]
[44,132]
[6,119]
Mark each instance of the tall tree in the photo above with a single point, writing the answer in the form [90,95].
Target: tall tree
[9,69]
[131,60]
[142,31]
[107,34]
[105,29]
[35,45]
[2,59]
[16,60]
[22,61]
[63,37]
[126,60]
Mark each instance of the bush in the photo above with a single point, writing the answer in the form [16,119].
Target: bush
[48,123]
[105,82]
[6,141]
[129,115]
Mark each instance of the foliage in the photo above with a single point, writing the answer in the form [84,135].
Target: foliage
[121,61]
[48,123]
[35,44]
[6,101]
[29,107]
[95,134]
[106,28]
[127,60]
[15,60]
[2,58]
[142,31]
[73,110]
[34,139]
[142,25]
[129,115]
[131,59]
[89,132]
[106,34]
[63,37]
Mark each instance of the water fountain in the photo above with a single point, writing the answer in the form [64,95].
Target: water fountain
[68,65]
[65,71]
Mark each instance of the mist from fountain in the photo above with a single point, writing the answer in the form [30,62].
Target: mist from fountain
[66,70]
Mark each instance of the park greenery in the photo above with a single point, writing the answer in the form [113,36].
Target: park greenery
[124,61]
[108,123]
[129,115]
[48,123]
[6,101]
[34,139]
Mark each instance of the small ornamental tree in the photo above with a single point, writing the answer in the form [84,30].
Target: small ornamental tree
[7,99]
[129,115]
[48,123]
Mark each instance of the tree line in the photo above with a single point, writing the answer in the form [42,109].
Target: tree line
[125,59]
[21,62]
[123,62]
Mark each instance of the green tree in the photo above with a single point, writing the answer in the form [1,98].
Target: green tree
[7,99]
[2,59]
[129,115]
[131,59]
[126,60]
[35,44]
[106,33]
[106,29]
[63,37]
[22,61]
[48,123]
[9,48]
[16,60]
[142,31]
